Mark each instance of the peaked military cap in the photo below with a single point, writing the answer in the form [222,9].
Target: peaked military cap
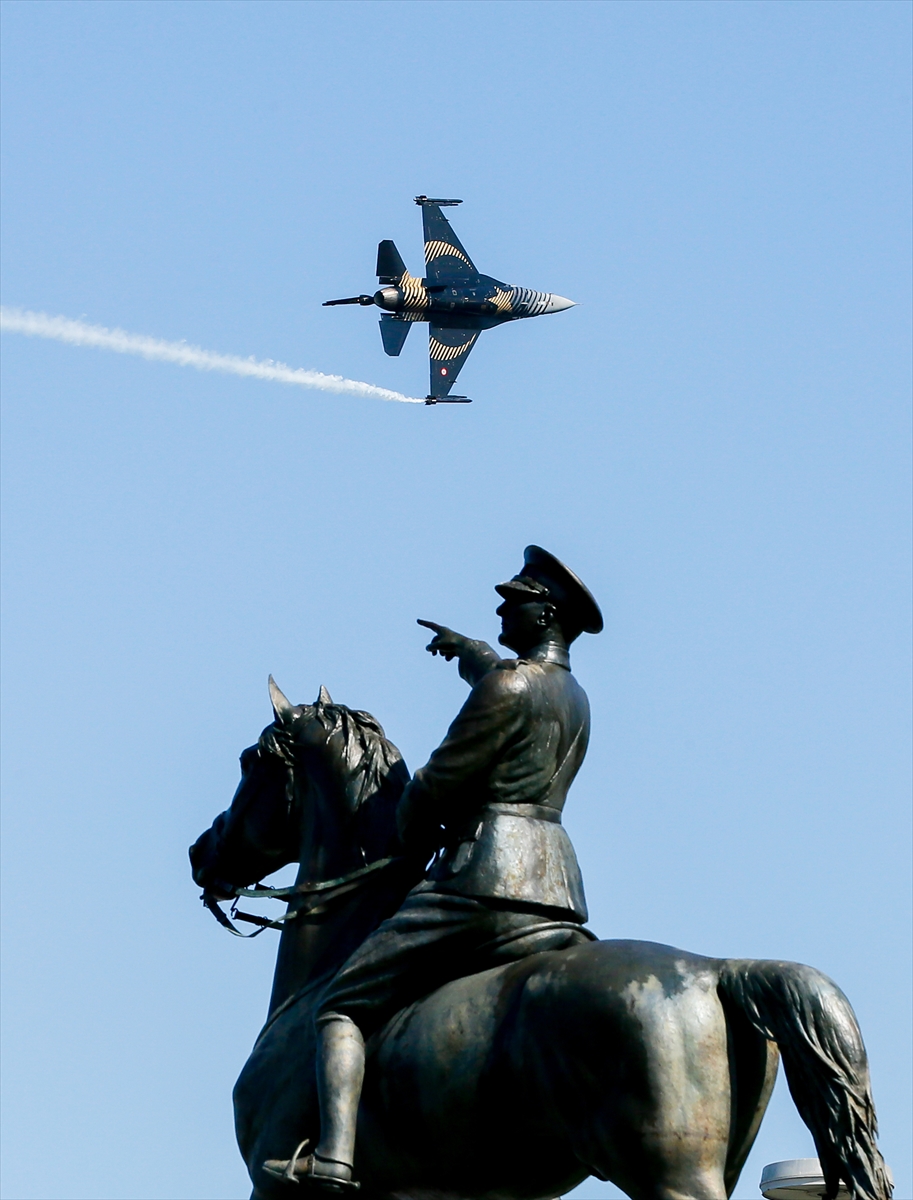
[547,578]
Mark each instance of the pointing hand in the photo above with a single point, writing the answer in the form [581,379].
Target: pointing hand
[445,642]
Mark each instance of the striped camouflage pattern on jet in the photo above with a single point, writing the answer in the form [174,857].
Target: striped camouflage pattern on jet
[415,297]
[448,349]
[436,250]
[457,301]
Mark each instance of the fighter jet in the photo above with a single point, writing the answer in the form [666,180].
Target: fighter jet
[455,300]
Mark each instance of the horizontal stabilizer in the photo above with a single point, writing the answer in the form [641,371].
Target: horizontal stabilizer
[393,333]
[390,266]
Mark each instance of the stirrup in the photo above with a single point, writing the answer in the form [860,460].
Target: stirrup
[331,1185]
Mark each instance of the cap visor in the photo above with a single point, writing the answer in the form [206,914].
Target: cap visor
[514,587]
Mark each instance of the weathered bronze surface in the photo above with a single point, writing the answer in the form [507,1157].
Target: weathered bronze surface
[442,1025]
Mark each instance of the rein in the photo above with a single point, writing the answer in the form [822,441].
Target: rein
[326,894]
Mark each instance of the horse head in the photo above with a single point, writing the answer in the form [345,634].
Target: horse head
[320,787]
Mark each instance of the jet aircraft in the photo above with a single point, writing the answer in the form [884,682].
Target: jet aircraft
[456,301]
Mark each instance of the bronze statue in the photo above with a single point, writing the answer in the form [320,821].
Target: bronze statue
[442,1023]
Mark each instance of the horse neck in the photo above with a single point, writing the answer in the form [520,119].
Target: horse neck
[327,848]
[311,950]
[313,947]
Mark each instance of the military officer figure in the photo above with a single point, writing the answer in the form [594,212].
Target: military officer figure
[504,880]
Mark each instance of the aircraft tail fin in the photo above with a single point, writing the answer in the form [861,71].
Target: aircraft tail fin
[390,266]
[393,333]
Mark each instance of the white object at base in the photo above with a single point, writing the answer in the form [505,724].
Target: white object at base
[796,1179]
[800,1179]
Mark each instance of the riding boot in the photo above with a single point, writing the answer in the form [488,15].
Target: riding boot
[340,1073]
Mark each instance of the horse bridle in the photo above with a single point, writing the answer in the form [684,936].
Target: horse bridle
[324,895]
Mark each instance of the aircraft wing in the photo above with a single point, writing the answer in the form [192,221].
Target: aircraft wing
[445,259]
[448,349]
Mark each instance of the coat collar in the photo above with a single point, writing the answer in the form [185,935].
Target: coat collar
[550,652]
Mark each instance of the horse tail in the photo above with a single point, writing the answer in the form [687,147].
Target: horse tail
[827,1070]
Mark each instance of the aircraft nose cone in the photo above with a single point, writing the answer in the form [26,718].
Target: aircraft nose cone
[558,303]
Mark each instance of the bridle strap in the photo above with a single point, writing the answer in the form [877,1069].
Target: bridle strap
[310,889]
[226,922]
[327,893]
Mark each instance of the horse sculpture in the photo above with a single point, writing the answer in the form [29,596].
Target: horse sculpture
[634,1062]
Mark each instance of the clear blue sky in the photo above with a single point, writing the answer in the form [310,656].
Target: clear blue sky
[716,439]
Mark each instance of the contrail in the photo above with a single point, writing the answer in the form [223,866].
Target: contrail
[79,333]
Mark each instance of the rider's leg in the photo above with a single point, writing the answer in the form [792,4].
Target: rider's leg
[393,966]
[433,938]
[340,1072]
[410,954]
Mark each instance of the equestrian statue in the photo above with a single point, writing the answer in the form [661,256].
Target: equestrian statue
[443,1025]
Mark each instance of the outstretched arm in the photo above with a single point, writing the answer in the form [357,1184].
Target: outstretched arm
[476,658]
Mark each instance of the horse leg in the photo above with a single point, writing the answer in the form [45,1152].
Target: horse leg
[676,1103]
[675,1172]
[753,1062]
[694,1186]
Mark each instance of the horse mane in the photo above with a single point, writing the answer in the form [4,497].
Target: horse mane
[363,760]
[368,754]
[370,757]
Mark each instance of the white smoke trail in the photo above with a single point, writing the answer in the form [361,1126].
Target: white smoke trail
[79,333]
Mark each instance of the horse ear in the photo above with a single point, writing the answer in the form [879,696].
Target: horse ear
[324,696]
[281,705]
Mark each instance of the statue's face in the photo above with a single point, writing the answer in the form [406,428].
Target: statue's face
[524,622]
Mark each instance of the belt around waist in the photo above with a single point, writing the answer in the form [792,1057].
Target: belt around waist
[536,812]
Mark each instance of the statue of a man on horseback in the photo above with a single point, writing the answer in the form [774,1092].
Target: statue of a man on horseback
[441,1022]
[504,880]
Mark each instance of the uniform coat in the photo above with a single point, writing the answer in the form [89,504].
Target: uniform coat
[499,780]
[506,882]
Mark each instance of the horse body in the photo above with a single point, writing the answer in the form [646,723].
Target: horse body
[612,1058]
[635,1062]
